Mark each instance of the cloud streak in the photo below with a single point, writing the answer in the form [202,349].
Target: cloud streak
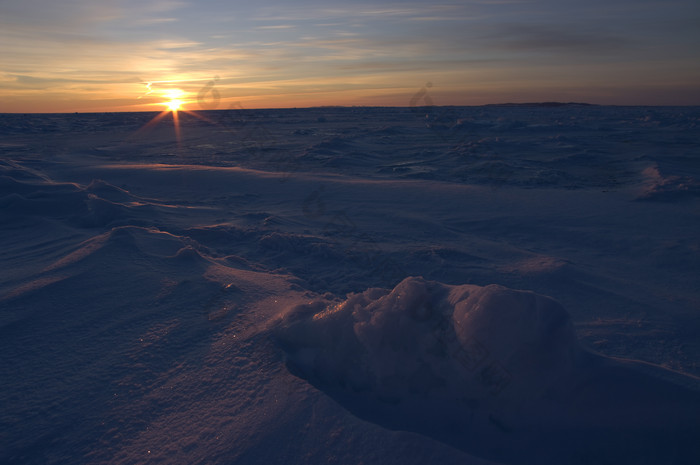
[553,38]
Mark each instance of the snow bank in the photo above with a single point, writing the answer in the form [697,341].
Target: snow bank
[495,372]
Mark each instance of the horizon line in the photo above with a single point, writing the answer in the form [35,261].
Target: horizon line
[543,104]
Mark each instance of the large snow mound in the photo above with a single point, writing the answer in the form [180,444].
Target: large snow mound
[493,371]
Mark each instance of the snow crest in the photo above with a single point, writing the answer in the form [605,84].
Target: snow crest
[425,338]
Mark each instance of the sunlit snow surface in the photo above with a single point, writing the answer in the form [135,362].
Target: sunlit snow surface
[341,285]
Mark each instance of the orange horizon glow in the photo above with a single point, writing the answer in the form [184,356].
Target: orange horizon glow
[183,92]
[300,101]
[133,98]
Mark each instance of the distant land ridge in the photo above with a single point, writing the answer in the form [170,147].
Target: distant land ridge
[542,104]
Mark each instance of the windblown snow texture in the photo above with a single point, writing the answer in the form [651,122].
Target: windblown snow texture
[250,294]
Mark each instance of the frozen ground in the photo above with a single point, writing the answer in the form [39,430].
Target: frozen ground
[241,295]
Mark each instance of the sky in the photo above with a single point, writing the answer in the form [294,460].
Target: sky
[138,55]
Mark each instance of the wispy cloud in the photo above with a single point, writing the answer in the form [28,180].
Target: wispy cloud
[277,26]
[554,38]
[151,21]
[108,50]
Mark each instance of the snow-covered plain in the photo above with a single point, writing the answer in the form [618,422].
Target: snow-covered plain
[351,286]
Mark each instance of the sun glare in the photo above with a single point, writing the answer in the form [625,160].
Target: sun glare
[174,97]
[175,101]
[174,105]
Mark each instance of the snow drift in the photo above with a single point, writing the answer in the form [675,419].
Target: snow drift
[495,372]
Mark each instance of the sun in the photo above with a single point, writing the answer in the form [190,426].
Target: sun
[174,97]
[174,105]
[175,101]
